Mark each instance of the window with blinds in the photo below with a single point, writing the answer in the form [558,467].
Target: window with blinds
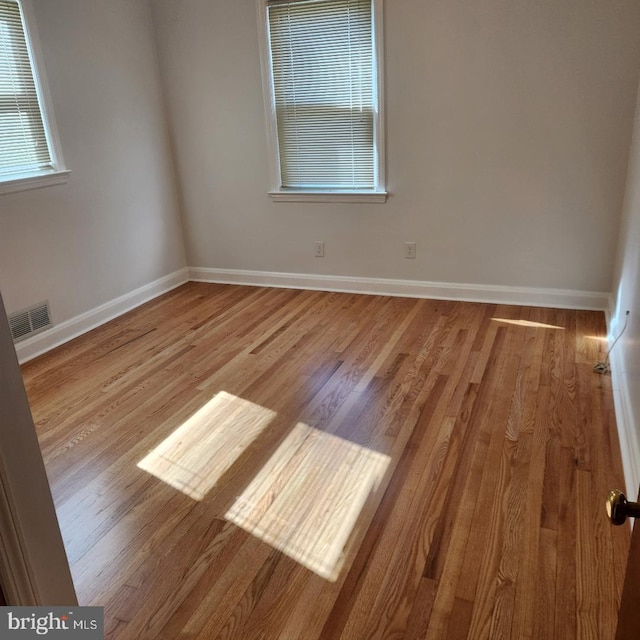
[24,145]
[324,94]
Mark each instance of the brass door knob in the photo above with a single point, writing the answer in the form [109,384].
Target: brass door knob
[619,509]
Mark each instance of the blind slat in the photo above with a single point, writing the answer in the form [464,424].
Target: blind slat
[323,78]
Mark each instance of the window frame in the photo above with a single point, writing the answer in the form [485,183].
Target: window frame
[59,174]
[378,194]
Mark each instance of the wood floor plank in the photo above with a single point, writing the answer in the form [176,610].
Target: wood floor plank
[418,621]
[565,581]
[544,624]
[266,464]
[586,560]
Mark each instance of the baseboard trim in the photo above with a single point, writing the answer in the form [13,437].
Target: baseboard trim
[627,435]
[629,444]
[527,296]
[74,327]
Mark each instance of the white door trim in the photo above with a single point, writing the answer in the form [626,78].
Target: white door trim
[34,569]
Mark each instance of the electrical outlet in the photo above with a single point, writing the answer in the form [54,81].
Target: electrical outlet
[410,250]
[319,250]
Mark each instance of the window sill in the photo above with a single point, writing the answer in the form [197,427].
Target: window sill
[24,183]
[329,196]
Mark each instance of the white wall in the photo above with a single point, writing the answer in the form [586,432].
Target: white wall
[115,226]
[626,287]
[508,130]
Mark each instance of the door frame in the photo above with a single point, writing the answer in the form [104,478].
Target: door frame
[34,569]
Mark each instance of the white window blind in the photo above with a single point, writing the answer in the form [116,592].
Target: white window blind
[323,82]
[23,141]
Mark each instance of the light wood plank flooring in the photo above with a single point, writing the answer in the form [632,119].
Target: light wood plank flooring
[254,463]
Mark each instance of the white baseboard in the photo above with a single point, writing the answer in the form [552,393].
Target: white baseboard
[629,444]
[527,296]
[627,434]
[72,328]
[558,298]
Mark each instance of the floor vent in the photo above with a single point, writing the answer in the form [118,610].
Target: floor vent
[29,321]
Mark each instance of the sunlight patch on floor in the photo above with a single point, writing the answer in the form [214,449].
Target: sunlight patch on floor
[306,500]
[199,452]
[527,323]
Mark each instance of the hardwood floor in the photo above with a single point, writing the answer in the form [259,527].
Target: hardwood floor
[254,463]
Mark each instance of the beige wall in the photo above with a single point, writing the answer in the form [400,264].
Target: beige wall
[508,129]
[115,226]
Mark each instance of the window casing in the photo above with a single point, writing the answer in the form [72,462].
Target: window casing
[30,154]
[323,87]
